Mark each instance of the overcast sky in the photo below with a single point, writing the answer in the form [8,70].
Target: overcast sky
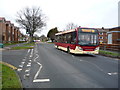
[85,13]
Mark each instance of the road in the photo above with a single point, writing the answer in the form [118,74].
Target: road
[47,67]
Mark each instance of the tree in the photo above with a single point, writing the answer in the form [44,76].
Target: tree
[32,20]
[43,38]
[70,26]
[51,33]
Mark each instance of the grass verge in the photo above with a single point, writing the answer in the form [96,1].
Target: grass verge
[30,44]
[9,78]
[22,47]
[107,53]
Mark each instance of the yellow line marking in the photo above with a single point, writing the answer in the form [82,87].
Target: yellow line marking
[9,65]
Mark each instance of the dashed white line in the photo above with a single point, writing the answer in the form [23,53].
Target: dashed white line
[27,74]
[24,59]
[73,56]
[81,60]
[20,65]
[19,69]
[28,50]
[27,70]
[28,65]
[112,73]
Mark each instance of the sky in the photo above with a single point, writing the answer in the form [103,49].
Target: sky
[84,13]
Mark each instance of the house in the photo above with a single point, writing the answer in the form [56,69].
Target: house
[8,32]
[114,35]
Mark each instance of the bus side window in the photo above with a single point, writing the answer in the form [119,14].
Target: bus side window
[69,38]
[73,40]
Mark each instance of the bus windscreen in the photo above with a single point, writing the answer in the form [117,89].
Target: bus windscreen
[88,38]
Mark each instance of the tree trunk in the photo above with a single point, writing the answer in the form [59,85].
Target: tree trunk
[31,38]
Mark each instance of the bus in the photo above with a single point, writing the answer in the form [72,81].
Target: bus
[78,41]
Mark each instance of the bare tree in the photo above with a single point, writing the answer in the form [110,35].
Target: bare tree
[31,19]
[70,26]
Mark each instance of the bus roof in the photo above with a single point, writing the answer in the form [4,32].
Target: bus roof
[72,30]
[63,32]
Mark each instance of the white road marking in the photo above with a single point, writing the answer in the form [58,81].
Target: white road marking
[19,69]
[27,74]
[36,57]
[112,73]
[35,77]
[24,59]
[81,60]
[28,65]
[73,56]
[20,65]
[27,70]
[38,70]
[41,80]
[30,55]
[28,50]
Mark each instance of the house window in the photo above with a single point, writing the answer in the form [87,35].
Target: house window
[101,33]
[100,37]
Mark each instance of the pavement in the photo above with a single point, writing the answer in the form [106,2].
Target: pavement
[47,67]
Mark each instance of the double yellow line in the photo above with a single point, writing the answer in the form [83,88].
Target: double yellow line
[9,65]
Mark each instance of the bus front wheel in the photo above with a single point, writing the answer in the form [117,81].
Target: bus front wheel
[68,50]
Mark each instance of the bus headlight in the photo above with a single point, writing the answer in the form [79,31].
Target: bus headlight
[97,48]
[80,48]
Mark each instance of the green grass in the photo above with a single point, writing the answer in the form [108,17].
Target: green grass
[9,78]
[22,47]
[13,43]
[109,53]
[25,46]
[30,44]
[7,44]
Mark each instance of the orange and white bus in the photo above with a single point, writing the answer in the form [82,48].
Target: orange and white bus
[78,41]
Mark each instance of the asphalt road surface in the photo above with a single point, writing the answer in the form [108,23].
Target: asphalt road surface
[47,67]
